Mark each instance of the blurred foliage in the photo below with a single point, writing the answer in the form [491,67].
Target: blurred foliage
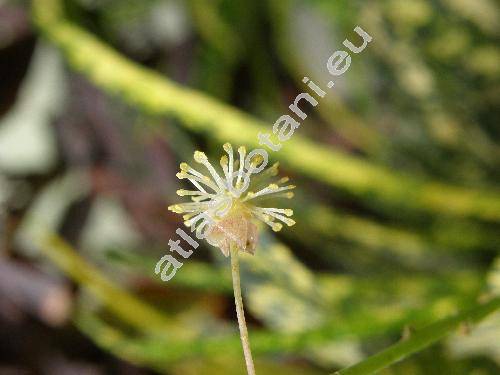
[398,201]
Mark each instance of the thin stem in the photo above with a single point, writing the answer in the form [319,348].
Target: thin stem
[421,339]
[245,342]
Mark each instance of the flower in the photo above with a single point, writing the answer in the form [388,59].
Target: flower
[227,205]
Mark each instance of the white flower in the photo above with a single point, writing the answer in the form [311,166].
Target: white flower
[228,202]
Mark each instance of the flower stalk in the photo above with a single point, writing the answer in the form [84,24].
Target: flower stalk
[225,206]
[245,342]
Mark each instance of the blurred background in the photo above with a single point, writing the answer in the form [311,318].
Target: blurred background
[397,208]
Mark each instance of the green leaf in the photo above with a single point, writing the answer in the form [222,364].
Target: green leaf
[421,339]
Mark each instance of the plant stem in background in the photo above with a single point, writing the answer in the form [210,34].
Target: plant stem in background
[420,339]
[155,94]
[245,342]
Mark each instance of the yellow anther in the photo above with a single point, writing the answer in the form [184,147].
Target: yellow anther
[227,147]
[274,169]
[283,180]
[176,208]
[200,157]
[256,160]
[276,227]
[288,212]
[224,160]
[184,167]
